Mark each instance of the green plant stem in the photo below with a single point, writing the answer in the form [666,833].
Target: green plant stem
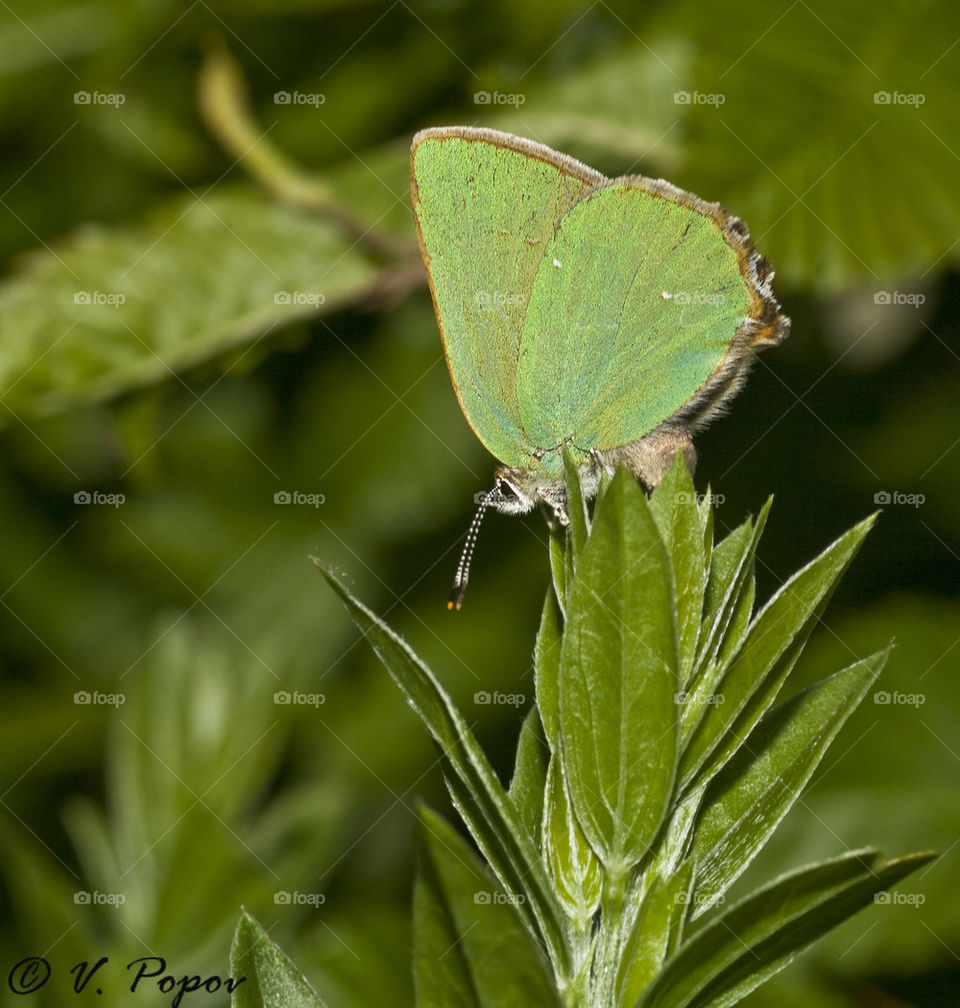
[224,105]
[576,992]
[609,940]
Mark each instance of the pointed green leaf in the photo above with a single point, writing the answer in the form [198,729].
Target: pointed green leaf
[750,796]
[730,562]
[463,913]
[740,616]
[501,852]
[694,703]
[491,817]
[758,936]
[674,843]
[546,667]
[726,562]
[270,980]
[674,508]
[441,973]
[703,690]
[647,944]
[573,866]
[705,507]
[770,648]
[618,680]
[576,505]
[561,563]
[650,939]
[530,773]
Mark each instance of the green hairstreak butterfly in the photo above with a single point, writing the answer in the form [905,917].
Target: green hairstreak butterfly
[616,316]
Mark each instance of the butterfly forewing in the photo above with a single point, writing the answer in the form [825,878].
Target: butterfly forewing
[486,206]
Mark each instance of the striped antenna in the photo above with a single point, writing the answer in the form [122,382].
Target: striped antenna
[459,589]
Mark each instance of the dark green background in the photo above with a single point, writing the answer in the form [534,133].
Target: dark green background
[200,399]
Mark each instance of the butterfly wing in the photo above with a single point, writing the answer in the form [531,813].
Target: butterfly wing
[648,301]
[486,205]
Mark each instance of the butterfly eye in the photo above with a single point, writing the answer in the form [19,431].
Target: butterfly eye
[507,490]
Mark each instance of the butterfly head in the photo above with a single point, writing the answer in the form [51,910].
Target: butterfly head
[514,491]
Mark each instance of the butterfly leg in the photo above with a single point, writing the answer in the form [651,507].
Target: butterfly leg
[554,509]
[600,463]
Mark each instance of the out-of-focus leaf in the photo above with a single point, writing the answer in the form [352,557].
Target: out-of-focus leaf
[870,121]
[113,310]
[32,39]
[617,109]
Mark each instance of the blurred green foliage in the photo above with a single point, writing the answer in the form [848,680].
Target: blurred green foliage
[832,129]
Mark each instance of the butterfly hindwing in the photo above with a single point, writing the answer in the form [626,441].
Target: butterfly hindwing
[635,305]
